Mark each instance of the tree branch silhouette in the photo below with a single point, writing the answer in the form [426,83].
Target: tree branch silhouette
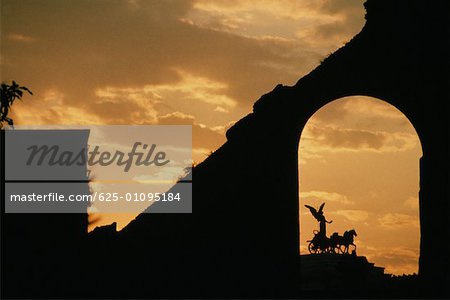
[9,93]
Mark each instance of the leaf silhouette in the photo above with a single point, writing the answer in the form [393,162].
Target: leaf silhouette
[8,94]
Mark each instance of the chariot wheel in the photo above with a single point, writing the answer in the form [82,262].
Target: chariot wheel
[312,249]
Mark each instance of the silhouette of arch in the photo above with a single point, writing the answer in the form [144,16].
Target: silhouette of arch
[396,57]
[338,202]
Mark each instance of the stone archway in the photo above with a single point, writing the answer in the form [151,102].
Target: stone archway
[385,61]
[360,156]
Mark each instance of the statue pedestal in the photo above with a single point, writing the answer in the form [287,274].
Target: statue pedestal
[338,272]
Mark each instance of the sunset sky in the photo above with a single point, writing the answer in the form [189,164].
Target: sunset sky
[205,63]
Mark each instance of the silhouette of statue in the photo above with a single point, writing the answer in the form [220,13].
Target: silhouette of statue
[318,214]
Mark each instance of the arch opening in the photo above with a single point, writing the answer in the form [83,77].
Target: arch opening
[360,155]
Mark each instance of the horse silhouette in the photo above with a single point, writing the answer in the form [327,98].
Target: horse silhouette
[343,243]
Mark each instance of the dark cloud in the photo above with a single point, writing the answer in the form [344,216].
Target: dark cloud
[367,114]
[79,47]
[330,138]
[83,45]
[347,138]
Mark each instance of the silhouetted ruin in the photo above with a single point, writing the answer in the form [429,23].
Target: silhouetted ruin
[242,238]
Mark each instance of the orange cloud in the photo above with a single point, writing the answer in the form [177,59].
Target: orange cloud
[412,203]
[205,139]
[17,37]
[325,196]
[353,215]
[396,221]
[396,260]
[329,138]
[51,108]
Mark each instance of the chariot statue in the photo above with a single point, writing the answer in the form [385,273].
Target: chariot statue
[336,243]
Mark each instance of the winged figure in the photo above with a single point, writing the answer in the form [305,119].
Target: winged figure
[318,214]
